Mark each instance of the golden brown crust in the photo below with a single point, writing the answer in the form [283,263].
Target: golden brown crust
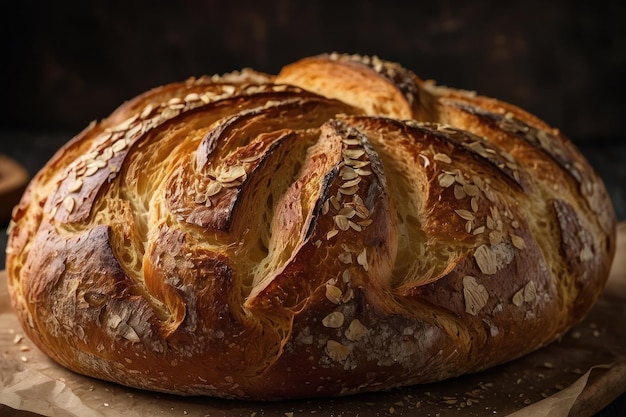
[341,227]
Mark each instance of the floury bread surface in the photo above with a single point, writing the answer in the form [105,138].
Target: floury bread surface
[341,227]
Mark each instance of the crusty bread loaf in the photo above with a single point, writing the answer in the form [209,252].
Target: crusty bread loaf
[340,227]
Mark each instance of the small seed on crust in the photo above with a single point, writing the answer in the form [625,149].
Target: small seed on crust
[475,294]
[530,292]
[362,259]
[470,189]
[191,97]
[348,173]
[465,214]
[345,275]
[441,157]
[349,190]
[347,211]
[351,183]
[75,186]
[356,330]
[336,351]
[334,320]
[354,226]
[345,257]
[146,111]
[213,188]
[228,89]
[495,237]
[325,207]
[341,222]
[68,203]
[479,230]
[459,193]
[333,294]
[518,242]
[445,180]
[118,146]
[474,204]
[353,153]
[486,260]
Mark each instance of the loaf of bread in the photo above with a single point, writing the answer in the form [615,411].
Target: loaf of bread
[341,227]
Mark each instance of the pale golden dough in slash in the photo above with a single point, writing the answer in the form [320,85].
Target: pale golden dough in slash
[340,227]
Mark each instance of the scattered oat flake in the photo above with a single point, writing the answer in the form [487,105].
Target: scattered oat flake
[345,257]
[75,186]
[336,351]
[333,294]
[465,214]
[476,295]
[486,260]
[530,292]
[342,222]
[362,259]
[586,254]
[351,183]
[348,173]
[518,298]
[459,194]
[474,204]
[349,190]
[356,330]
[518,242]
[68,203]
[347,211]
[479,230]
[356,227]
[334,320]
[446,180]
[470,189]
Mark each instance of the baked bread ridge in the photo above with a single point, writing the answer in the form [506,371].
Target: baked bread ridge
[341,227]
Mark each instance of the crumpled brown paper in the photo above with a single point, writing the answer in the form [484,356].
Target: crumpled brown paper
[34,391]
[575,376]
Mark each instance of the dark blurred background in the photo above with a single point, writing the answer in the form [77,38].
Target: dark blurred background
[66,63]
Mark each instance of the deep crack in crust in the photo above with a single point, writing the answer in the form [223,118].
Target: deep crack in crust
[341,227]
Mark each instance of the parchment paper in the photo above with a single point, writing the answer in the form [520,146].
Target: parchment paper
[576,376]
